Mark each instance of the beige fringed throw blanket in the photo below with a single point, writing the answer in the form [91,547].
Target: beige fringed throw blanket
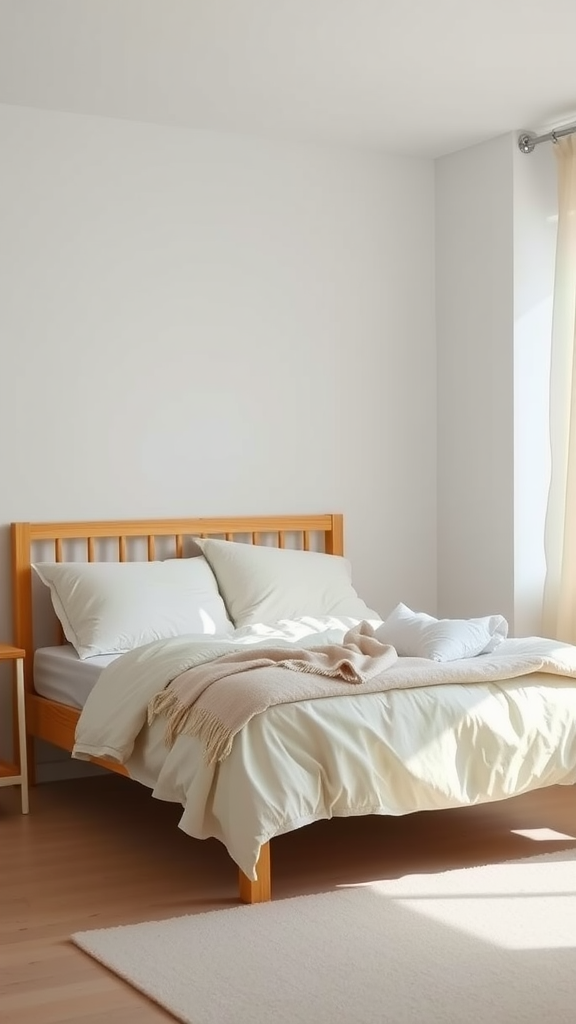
[215,700]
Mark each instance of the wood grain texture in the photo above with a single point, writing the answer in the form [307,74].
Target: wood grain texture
[258,891]
[100,852]
[51,721]
[9,653]
[56,723]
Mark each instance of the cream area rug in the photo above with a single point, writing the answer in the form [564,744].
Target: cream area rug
[485,945]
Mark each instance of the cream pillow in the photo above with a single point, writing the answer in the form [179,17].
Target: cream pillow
[112,607]
[265,584]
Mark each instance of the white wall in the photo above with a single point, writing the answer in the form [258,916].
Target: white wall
[475,322]
[194,323]
[495,244]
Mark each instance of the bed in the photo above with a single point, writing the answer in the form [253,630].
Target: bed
[446,740]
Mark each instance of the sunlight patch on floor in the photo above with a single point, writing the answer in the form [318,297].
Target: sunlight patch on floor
[521,921]
[541,835]
[522,905]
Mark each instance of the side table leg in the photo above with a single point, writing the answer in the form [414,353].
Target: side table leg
[22,733]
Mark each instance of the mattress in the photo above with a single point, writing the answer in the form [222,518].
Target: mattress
[61,675]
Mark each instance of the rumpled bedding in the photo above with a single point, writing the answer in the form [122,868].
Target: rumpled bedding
[491,727]
[215,700]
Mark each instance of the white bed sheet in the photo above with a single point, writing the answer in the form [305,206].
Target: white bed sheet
[61,675]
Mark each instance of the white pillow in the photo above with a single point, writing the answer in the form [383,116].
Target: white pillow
[418,635]
[112,607]
[265,584]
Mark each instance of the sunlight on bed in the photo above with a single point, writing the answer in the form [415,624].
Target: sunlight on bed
[208,624]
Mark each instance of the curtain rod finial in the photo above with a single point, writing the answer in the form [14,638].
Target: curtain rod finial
[526,143]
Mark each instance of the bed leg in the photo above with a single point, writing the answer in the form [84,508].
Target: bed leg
[259,891]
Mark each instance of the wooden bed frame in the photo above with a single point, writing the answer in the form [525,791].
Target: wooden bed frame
[56,723]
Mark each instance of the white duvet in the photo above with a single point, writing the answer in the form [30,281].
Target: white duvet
[427,747]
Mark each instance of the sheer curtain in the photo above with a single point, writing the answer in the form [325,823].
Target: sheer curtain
[559,608]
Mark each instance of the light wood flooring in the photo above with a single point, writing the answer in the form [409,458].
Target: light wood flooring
[100,851]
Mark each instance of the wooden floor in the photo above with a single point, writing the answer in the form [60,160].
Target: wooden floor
[99,852]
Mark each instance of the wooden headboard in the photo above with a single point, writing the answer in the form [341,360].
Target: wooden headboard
[84,541]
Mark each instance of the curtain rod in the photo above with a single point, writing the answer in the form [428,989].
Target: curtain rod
[527,141]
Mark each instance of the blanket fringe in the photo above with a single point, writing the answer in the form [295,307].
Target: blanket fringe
[213,734]
[346,672]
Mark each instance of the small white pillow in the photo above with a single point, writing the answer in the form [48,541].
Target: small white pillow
[264,584]
[112,607]
[418,635]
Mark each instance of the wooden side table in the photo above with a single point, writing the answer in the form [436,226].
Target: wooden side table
[16,774]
